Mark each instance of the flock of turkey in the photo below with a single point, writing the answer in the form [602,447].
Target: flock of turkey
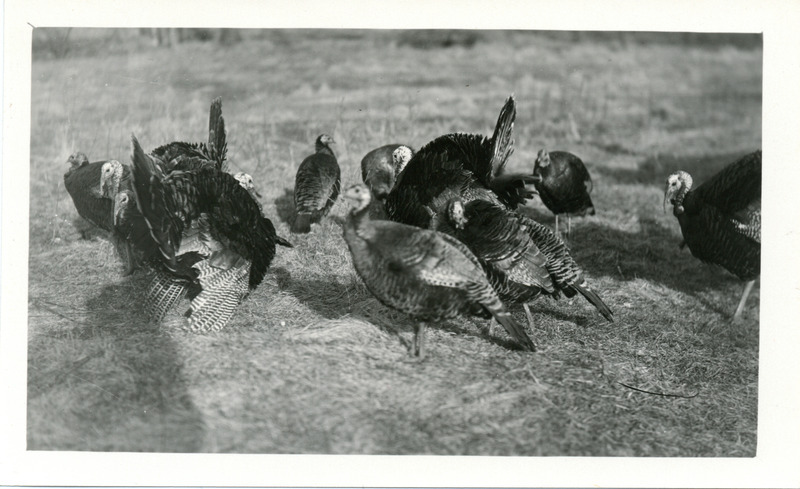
[433,233]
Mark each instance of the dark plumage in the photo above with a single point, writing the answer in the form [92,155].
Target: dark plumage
[565,184]
[316,186]
[459,165]
[721,219]
[424,273]
[212,240]
[216,149]
[84,182]
[532,259]
[378,169]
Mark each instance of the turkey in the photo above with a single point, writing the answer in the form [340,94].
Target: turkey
[212,242]
[532,258]
[721,219]
[84,183]
[564,185]
[468,166]
[425,274]
[215,150]
[378,168]
[316,185]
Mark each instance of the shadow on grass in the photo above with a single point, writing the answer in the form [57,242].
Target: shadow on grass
[284,205]
[655,170]
[130,392]
[327,297]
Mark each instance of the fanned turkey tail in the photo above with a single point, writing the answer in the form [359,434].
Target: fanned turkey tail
[217,142]
[502,139]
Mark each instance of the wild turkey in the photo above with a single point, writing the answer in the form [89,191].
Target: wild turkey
[426,274]
[316,185]
[721,219]
[564,186]
[379,168]
[84,183]
[468,166]
[216,149]
[532,258]
[213,243]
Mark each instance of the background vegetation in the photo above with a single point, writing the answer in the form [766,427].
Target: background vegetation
[311,363]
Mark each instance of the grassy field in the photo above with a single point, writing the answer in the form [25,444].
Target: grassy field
[311,362]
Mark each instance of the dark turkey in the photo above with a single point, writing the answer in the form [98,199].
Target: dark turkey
[532,258]
[213,243]
[216,149]
[721,219]
[426,274]
[379,168]
[316,185]
[84,183]
[467,166]
[565,184]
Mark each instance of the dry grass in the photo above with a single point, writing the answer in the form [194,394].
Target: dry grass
[311,363]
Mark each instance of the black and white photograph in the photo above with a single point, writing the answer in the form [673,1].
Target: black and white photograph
[471,246]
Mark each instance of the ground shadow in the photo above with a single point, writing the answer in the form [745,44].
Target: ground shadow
[137,394]
[284,205]
[325,295]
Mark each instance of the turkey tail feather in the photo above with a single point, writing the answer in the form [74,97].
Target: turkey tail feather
[596,301]
[502,140]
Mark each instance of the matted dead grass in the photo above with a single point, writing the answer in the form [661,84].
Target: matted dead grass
[311,362]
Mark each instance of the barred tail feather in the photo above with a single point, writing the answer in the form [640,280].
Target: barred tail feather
[222,292]
[162,294]
[502,141]
[595,300]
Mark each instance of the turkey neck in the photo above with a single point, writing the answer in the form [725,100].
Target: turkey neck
[680,198]
[323,148]
[358,223]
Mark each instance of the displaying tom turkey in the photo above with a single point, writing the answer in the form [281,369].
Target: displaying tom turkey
[467,166]
[720,219]
[423,273]
[316,186]
[564,185]
[213,243]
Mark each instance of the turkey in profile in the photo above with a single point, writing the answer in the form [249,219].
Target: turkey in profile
[316,185]
[210,239]
[85,185]
[467,166]
[532,259]
[721,218]
[564,185]
[425,274]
